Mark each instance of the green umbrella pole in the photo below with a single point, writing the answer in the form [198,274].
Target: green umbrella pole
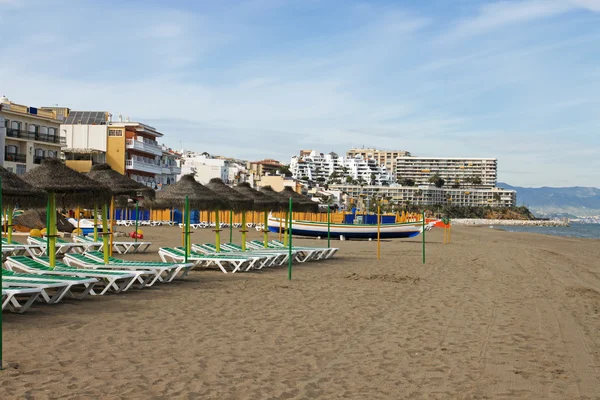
[52,236]
[137,214]
[230,226]
[95,223]
[9,226]
[217,231]
[2,262]
[244,230]
[423,237]
[290,244]
[328,226]
[106,246]
[48,228]
[266,230]
[187,228]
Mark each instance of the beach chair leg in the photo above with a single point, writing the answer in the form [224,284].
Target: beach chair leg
[60,293]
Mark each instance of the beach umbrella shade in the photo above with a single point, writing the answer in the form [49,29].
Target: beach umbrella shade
[15,191]
[187,193]
[69,187]
[262,202]
[301,203]
[121,187]
[238,202]
[283,204]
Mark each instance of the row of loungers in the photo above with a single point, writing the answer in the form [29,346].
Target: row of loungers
[26,280]
[232,258]
[36,246]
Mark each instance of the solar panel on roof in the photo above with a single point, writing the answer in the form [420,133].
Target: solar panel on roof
[86,118]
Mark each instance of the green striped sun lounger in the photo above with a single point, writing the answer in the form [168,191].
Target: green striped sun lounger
[113,281]
[280,257]
[221,260]
[180,267]
[83,285]
[121,247]
[62,246]
[51,292]
[11,296]
[256,261]
[162,272]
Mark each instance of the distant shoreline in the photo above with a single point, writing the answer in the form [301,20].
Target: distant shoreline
[507,222]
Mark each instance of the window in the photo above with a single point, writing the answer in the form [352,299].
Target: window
[20,169]
[115,132]
[52,131]
[10,149]
[51,154]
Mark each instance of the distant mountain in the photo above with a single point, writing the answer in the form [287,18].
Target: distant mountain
[562,202]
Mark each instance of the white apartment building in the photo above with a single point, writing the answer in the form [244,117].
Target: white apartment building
[456,172]
[28,135]
[169,167]
[331,168]
[205,167]
[386,158]
[431,195]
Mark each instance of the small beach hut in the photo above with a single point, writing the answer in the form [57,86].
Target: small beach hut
[121,187]
[15,191]
[262,203]
[238,203]
[66,187]
[186,194]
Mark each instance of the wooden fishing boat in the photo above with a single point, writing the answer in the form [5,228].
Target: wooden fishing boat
[348,231]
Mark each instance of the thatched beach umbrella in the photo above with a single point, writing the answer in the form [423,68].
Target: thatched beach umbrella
[71,188]
[281,200]
[121,186]
[188,193]
[15,191]
[238,202]
[301,202]
[262,202]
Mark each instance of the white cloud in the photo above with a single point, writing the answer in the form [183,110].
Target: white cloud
[495,15]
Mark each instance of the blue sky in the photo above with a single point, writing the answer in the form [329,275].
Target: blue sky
[516,80]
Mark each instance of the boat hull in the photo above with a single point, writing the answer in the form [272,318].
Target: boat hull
[319,229]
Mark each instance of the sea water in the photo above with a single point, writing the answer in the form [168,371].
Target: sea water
[588,231]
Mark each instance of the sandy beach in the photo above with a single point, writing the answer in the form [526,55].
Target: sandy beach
[492,315]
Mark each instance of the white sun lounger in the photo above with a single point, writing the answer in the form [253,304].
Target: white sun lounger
[70,281]
[10,301]
[258,261]
[113,280]
[235,263]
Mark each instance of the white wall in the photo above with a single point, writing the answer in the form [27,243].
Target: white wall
[85,136]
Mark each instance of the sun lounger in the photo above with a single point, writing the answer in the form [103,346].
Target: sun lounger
[162,272]
[144,277]
[258,261]
[112,280]
[328,252]
[235,263]
[182,267]
[17,249]
[86,284]
[11,302]
[92,245]
[280,256]
[121,247]
[51,291]
[62,246]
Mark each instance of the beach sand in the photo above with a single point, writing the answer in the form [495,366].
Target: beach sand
[491,315]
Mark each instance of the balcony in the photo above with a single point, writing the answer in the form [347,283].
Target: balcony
[175,170]
[40,137]
[38,159]
[15,157]
[144,147]
[144,166]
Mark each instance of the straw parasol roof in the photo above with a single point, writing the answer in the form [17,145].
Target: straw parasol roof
[200,197]
[282,201]
[15,191]
[71,187]
[237,201]
[120,185]
[262,202]
[36,219]
[303,203]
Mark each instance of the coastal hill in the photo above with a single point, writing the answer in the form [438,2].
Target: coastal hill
[563,202]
